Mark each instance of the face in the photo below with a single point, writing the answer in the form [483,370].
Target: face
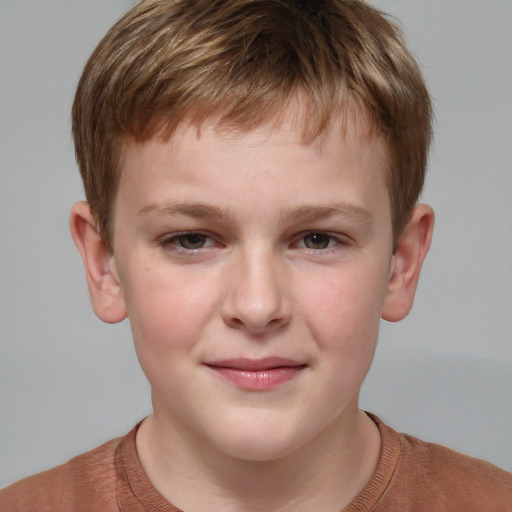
[254,271]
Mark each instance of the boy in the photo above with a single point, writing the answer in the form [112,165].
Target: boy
[252,170]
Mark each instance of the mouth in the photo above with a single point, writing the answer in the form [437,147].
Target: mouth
[257,374]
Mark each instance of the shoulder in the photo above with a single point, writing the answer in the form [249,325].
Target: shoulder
[440,477]
[416,475]
[76,485]
[434,459]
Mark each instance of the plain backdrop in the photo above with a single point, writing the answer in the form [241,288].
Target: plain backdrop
[69,382]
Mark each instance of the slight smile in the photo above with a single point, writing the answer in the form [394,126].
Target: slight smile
[257,374]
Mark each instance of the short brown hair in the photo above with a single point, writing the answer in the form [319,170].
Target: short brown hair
[242,61]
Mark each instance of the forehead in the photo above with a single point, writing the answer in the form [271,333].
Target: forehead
[293,122]
[291,126]
[275,160]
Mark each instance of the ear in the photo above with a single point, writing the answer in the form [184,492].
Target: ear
[406,264]
[100,266]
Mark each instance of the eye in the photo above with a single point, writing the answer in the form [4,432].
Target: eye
[319,241]
[189,241]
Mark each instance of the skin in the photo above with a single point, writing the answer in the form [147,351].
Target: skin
[249,246]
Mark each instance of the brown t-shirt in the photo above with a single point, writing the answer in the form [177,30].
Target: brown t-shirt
[411,476]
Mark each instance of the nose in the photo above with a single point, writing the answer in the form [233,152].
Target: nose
[257,299]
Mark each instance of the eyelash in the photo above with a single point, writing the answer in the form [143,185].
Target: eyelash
[338,241]
[174,242]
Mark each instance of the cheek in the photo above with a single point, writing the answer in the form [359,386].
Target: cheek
[166,309]
[346,329]
[167,317]
[343,310]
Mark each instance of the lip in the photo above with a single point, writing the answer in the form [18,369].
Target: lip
[257,374]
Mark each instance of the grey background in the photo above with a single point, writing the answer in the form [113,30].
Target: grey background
[69,382]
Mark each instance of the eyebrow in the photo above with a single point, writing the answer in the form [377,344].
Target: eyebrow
[313,212]
[195,210]
[304,213]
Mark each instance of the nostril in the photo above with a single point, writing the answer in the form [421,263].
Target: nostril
[236,323]
[261,327]
[276,322]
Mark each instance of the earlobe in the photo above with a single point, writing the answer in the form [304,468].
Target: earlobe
[406,265]
[100,267]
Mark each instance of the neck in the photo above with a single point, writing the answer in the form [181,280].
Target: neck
[324,475]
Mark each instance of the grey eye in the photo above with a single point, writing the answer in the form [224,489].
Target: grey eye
[192,240]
